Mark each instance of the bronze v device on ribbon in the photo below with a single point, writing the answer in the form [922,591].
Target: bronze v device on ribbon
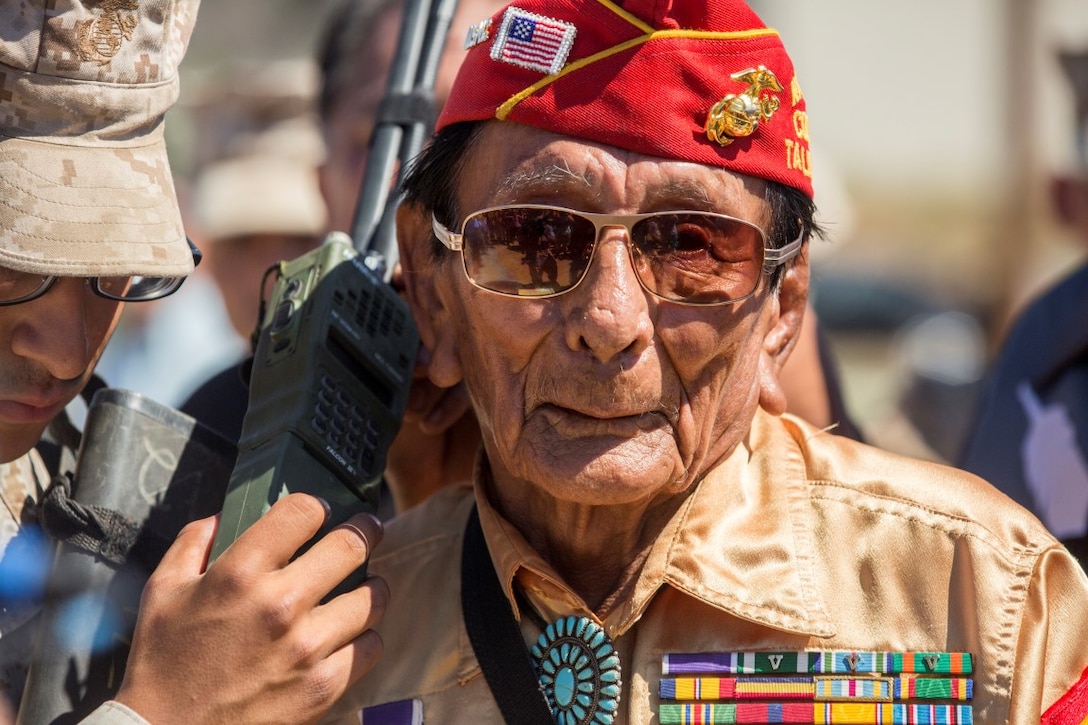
[337,345]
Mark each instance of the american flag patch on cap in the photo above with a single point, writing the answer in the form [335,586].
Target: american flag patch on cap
[533,41]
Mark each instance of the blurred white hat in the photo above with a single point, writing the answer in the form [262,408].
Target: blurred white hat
[258,194]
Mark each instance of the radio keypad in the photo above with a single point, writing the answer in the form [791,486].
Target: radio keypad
[344,424]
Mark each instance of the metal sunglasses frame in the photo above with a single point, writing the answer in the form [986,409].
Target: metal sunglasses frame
[773,257]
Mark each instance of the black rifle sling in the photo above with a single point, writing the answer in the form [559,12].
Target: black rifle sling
[495,635]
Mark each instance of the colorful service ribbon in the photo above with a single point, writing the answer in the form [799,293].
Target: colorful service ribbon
[831,713]
[833,687]
[824,662]
[821,688]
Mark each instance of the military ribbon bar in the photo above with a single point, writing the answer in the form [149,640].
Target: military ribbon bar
[909,687]
[819,662]
[725,688]
[815,714]
[879,689]
[833,686]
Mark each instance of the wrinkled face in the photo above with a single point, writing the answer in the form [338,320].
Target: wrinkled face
[48,352]
[604,394]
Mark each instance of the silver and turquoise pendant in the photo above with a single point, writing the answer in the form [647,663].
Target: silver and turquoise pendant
[579,672]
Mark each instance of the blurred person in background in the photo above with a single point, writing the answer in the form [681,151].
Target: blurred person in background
[254,127]
[250,212]
[254,198]
[1030,431]
[255,206]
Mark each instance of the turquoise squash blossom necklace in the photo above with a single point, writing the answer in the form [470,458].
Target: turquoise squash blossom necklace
[579,672]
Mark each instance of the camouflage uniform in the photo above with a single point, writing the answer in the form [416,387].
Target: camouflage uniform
[87,192]
[24,551]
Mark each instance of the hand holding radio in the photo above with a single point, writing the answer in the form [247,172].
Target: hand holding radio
[256,606]
[336,349]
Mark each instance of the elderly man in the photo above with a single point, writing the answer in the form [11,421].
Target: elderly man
[648,538]
[435,446]
[646,531]
[89,221]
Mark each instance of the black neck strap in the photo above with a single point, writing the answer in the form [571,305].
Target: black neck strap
[496,636]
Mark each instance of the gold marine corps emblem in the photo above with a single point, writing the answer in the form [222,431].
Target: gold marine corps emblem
[739,114]
[99,39]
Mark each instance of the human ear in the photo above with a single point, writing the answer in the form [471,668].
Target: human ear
[422,276]
[784,332]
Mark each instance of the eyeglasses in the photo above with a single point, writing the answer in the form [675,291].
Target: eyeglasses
[19,287]
[693,258]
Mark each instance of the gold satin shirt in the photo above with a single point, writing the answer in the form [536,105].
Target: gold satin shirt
[799,540]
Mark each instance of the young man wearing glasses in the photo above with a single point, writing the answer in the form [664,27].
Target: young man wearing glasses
[88,221]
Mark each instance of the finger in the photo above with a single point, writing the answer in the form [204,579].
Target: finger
[272,540]
[337,554]
[352,613]
[362,653]
[188,555]
[346,666]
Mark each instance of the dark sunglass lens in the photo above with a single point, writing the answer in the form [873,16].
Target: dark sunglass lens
[527,252]
[698,258]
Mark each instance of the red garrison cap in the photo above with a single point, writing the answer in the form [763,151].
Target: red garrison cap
[696,80]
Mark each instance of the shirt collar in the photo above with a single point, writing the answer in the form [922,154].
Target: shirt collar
[742,543]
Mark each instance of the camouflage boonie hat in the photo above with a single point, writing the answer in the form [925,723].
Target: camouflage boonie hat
[85,185]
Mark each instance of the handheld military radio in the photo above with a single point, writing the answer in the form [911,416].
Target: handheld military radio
[336,347]
[328,390]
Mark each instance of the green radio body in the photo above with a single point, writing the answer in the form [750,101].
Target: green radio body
[328,390]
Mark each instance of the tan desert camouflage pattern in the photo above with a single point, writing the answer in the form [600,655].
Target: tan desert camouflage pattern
[21,480]
[85,185]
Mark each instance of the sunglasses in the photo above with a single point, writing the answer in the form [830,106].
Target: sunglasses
[689,257]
